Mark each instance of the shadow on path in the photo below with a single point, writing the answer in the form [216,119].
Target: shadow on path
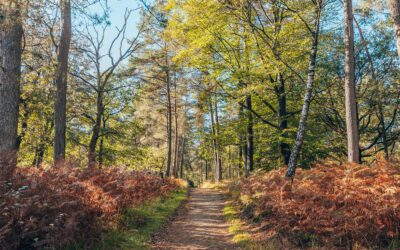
[199,225]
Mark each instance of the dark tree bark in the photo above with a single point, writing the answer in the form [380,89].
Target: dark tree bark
[206,169]
[176,136]
[24,123]
[353,150]
[243,145]
[307,100]
[182,158]
[280,91]
[44,141]
[214,130]
[250,135]
[101,150]
[96,129]
[61,81]
[219,162]
[240,148]
[169,117]
[10,76]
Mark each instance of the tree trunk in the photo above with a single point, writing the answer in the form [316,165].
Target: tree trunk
[206,169]
[169,118]
[60,105]
[280,91]
[10,76]
[214,131]
[176,136]
[243,145]
[353,150]
[240,148]
[395,14]
[44,141]
[101,149]
[24,124]
[219,163]
[230,173]
[307,101]
[250,134]
[96,130]
[182,158]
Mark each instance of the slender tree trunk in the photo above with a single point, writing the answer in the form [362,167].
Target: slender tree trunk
[243,147]
[307,101]
[24,124]
[219,166]
[169,116]
[44,141]
[182,158]
[230,162]
[10,76]
[96,130]
[206,169]
[280,91]
[176,136]
[240,155]
[250,134]
[214,130]
[60,105]
[395,14]
[101,149]
[353,150]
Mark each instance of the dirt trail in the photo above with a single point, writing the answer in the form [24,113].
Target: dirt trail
[198,225]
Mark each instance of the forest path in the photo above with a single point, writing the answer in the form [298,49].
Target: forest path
[199,224]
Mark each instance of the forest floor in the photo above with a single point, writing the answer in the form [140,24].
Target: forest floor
[199,224]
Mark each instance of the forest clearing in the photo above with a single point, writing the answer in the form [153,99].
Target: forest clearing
[199,124]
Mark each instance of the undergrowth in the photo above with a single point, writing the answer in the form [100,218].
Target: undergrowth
[141,222]
[331,205]
[60,206]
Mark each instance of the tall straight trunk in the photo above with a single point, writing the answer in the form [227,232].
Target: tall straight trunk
[381,116]
[96,130]
[101,149]
[60,104]
[219,166]
[206,169]
[176,136]
[395,14]
[10,76]
[243,145]
[307,101]
[182,158]
[230,162]
[240,148]
[280,91]
[214,130]
[24,124]
[250,134]
[169,116]
[43,142]
[353,151]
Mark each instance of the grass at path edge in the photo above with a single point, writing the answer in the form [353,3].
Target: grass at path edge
[140,223]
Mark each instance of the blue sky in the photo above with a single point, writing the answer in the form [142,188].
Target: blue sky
[117,8]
